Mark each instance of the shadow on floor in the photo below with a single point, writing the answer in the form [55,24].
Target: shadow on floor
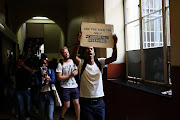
[70,115]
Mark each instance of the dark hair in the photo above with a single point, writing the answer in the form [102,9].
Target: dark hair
[43,56]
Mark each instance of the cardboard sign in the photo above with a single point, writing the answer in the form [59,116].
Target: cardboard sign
[97,35]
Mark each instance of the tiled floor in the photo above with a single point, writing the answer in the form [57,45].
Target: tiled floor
[70,115]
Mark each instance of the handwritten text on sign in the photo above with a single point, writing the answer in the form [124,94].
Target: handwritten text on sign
[97,35]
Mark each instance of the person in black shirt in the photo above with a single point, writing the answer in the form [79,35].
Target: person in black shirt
[23,85]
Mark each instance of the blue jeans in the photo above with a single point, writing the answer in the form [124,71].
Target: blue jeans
[47,106]
[92,112]
[24,103]
[35,91]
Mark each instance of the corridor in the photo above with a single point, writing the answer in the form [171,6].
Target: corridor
[142,84]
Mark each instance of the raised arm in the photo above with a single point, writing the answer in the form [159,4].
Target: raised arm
[21,63]
[28,68]
[76,49]
[114,54]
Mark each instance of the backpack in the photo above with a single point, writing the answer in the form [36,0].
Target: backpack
[85,63]
[61,61]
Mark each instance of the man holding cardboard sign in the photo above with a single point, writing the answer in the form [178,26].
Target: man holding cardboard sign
[91,85]
[97,35]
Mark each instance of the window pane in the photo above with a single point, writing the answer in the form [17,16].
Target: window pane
[154,64]
[167,3]
[168,27]
[149,6]
[133,38]
[132,10]
[134,66]
[152,30]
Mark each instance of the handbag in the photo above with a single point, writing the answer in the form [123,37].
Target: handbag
[56,96]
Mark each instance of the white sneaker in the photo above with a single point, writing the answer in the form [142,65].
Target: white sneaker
[28,118]
[17,116]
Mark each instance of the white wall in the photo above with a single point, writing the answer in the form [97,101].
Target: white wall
[83,11]
[21,37]
[2,12]
[113,12]
[34,30]
[175,25]
[53,40]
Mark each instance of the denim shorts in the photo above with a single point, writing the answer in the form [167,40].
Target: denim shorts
[70,93]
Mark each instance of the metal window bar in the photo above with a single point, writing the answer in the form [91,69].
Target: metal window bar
[125,37]
[141,44]
[164,37]
[155,31]
[165,43]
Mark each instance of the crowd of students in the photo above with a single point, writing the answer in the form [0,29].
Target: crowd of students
[36,80]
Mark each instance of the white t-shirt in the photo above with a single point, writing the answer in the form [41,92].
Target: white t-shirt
[91,85]
[66,69]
